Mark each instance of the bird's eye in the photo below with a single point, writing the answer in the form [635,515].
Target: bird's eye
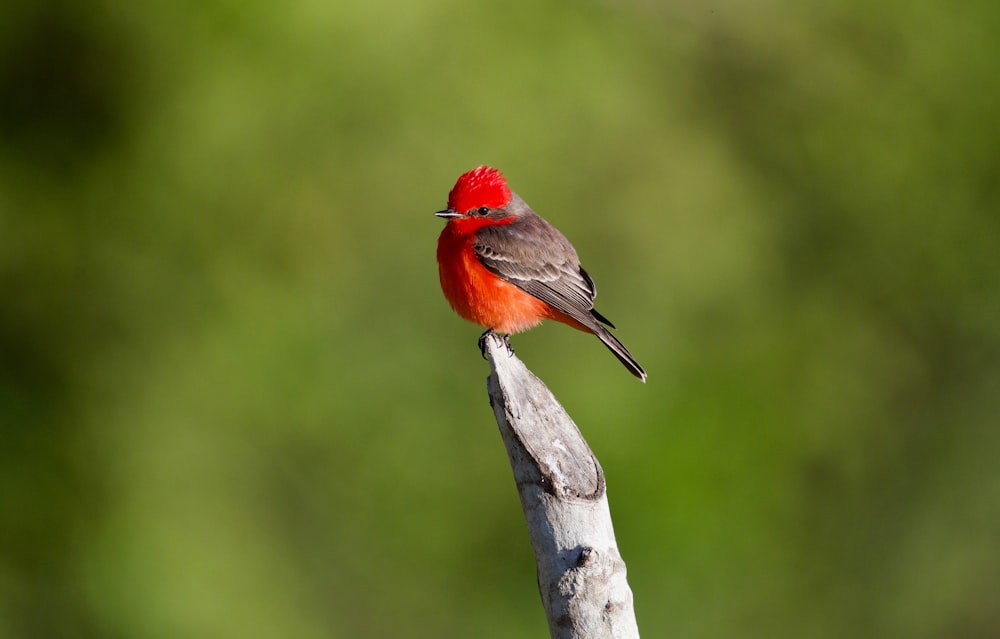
[483,210]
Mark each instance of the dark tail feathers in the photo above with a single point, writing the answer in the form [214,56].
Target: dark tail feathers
[620,351]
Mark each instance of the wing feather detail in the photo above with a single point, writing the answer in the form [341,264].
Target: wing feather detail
[535,257]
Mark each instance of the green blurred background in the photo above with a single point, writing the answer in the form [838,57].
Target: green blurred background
[235,404]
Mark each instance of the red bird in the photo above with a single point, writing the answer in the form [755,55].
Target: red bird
[505,268]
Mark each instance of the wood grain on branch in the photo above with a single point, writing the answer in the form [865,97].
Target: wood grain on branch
[581,575]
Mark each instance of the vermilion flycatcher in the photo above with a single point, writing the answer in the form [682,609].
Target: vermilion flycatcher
[506,269]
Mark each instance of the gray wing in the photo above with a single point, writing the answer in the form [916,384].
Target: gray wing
[535,257]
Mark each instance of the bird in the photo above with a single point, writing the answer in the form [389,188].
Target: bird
[504,267]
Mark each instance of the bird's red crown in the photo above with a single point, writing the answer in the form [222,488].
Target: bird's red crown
[482,186]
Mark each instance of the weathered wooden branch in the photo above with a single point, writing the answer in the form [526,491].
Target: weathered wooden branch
[581,574]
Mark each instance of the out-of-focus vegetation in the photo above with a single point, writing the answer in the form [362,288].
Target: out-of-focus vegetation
[234,403]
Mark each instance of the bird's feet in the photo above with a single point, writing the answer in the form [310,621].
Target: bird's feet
[506,342]
[482,341]
[490,331]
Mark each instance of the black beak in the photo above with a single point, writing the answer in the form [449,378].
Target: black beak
[448,213]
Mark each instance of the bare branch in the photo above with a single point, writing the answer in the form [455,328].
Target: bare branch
[581,575]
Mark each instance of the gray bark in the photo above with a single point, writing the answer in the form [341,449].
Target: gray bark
[581,575]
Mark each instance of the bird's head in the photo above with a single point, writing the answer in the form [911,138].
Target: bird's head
[480,193]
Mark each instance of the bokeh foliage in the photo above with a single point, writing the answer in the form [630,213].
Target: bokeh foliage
[234,403]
